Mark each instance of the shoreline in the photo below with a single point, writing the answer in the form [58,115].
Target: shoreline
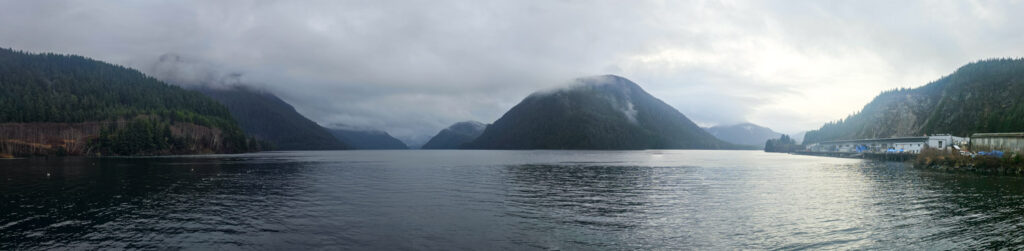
[1005,171]
[941,161]
[869,156]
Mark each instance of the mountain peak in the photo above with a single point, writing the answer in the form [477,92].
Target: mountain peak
[605,81]
[611,84]
[596,112]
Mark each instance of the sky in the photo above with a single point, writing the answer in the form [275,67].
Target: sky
[412,68]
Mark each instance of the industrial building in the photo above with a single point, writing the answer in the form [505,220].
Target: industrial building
[1006,142]
[884,145]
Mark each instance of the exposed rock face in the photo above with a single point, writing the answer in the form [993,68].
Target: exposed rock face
[601,112]
[28,139]
[67,104]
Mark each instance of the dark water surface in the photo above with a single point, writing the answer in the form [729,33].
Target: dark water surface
[502,200]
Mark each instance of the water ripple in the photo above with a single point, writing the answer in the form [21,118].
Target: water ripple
[502,200]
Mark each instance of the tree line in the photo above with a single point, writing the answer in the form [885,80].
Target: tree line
[70,89]
[783,144]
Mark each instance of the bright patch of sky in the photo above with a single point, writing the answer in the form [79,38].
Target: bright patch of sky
[413,68]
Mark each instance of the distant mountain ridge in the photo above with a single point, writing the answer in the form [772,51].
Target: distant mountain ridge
[367,139]
[267,117]
[743,134]
[984,96]
[456,135]
[601,112]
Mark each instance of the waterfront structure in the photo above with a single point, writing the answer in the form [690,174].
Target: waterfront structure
[1006,142]
[890,145]
[947,142]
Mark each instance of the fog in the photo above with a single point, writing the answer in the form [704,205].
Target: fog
[412,68]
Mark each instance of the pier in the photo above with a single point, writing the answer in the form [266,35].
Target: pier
[904,156]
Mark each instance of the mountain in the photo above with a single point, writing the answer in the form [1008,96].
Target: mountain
[367,139]
[601,112]
[415,141]
[983,96]
[456,135]
[798,137]
[65,104]
[743,134]
[267,117]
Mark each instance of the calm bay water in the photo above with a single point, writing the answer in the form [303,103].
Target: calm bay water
[383,200]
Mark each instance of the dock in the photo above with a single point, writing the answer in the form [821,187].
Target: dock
[904,156]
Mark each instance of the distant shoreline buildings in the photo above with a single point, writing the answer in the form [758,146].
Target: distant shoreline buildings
[1006,142]
[911,145]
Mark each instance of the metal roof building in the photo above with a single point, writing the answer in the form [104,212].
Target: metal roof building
[1007,142]
[896,144]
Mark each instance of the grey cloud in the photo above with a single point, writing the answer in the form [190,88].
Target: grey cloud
[187,71]
[413,67]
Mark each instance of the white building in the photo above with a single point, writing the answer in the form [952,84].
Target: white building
[946,141]
[897,145]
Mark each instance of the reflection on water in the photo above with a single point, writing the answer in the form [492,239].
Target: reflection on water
[502,200]
[101,202]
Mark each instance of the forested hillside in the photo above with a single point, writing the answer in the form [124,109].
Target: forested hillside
[269,118]
[456,135]
[367,139]
[984,96]
[54,103]
[601,112]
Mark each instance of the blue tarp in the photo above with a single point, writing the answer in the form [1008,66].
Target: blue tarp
[997,154]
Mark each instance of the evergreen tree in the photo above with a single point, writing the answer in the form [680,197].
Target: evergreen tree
[70,89]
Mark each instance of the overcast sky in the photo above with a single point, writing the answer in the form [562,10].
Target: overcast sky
[414,67]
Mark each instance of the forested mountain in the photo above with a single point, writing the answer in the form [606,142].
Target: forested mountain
[367,139]
[984,96]
[601,112]
[68,104]
[269,118]
[743,134]
[456,135]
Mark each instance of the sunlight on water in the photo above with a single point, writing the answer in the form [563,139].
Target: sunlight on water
[502,200]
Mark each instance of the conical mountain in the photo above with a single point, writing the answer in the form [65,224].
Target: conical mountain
[600,112]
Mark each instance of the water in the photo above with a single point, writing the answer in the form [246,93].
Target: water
[450,200]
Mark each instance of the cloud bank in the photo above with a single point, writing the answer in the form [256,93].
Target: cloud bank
[412,68]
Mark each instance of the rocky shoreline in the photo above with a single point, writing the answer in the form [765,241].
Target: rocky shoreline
[951,162]
[1016,171]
